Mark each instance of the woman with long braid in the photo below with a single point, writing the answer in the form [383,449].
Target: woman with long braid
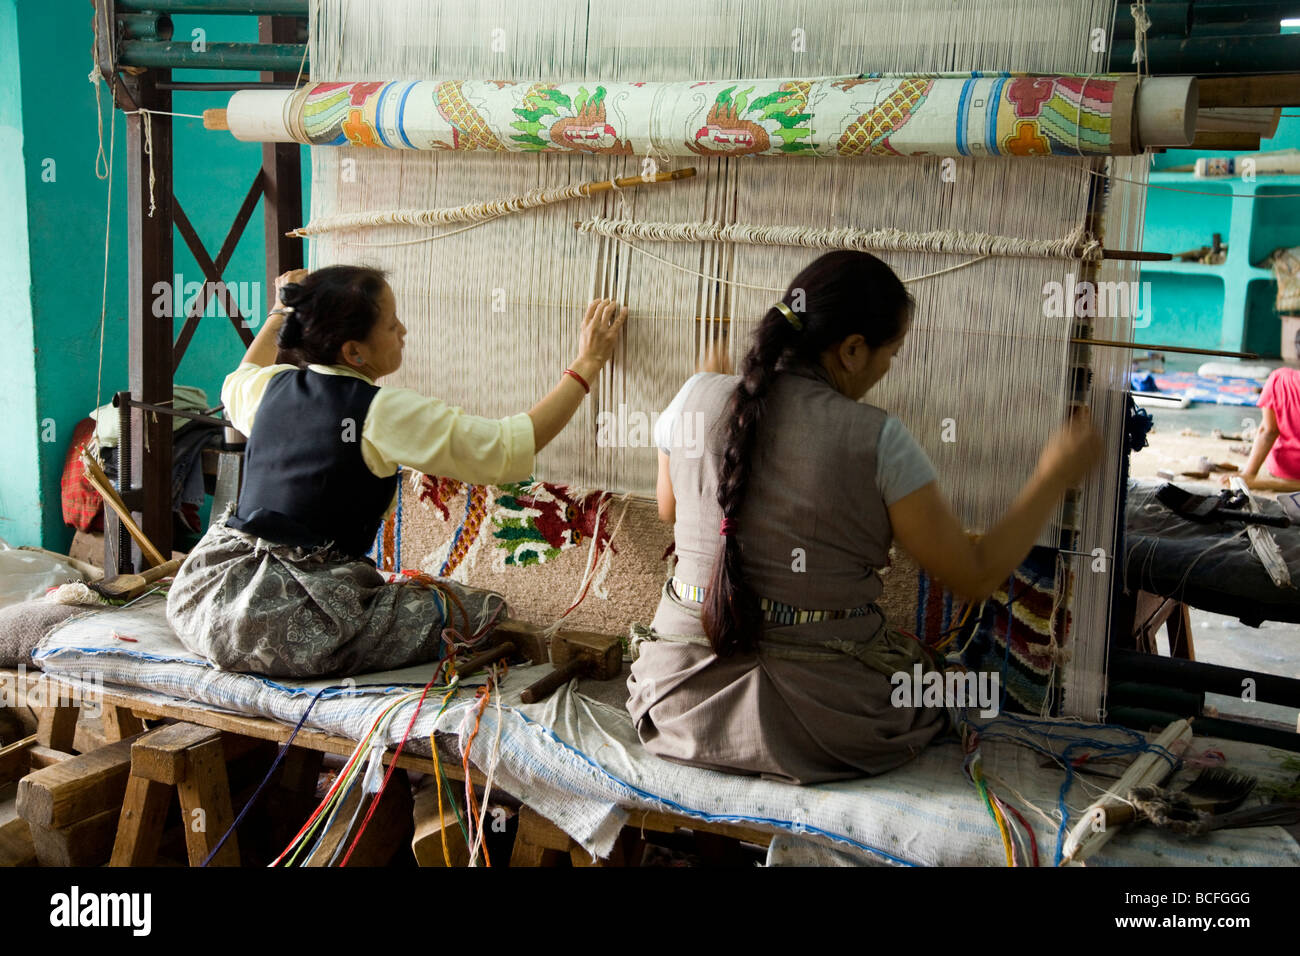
[767,654]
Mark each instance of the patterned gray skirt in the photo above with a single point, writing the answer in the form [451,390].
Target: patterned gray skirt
[250,605]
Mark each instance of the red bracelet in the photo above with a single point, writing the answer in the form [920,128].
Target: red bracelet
[581,381]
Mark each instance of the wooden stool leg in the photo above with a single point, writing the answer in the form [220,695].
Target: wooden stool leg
[140,827]
[206,813]
[58,727]
[433,830]
[538,841]
[119,722]
[1179,624]
[581,858]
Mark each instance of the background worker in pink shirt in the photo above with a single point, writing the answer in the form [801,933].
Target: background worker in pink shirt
[1277,442]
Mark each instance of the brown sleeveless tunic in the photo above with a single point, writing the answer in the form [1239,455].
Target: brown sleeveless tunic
[814,530]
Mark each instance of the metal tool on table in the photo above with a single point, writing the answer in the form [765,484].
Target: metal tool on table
[577,654]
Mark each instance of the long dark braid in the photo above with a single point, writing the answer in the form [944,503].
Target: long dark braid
[837,295]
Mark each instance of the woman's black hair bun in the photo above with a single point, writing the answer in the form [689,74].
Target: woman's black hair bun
[292,294]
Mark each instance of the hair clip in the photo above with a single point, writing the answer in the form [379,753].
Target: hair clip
[790,316]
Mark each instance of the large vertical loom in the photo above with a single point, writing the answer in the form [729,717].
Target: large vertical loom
[494,307]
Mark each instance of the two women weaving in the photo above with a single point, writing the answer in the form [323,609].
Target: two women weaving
[767,654]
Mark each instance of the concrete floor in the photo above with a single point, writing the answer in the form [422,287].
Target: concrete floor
[1272,648]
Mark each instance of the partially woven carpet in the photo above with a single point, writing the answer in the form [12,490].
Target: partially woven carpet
[546,548]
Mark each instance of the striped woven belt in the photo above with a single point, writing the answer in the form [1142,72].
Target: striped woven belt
[775,611]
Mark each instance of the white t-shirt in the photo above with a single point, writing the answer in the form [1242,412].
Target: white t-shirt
[902,466]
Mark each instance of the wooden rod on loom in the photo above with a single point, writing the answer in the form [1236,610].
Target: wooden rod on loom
[1108,343]
[1133,255]
[623,182]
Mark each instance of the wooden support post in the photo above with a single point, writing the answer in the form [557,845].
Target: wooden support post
[390,828]
[15,759]
[140,826]
[149,232]
[431,828]
[119,722]
[193,760]
[206,813]
[281,173]
[77,788]
[539,842]
[57,727]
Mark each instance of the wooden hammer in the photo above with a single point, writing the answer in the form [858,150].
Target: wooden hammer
[578,654]
[128,587]
[509,639]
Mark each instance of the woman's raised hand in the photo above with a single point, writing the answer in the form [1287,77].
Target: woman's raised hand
[600,328]
[284,278]
[1072,451]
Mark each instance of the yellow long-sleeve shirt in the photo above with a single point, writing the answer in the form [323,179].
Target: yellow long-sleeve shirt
[403,427]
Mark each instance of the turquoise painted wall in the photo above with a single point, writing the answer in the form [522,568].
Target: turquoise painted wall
[65,239]
[1232,305]
[20,491]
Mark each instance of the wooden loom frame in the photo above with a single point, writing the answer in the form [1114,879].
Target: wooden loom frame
[154,355]
[145,480]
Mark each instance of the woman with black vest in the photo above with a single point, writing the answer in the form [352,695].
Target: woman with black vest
[280,584]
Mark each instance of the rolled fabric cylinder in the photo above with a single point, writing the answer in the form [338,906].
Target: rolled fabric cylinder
[1166,111]
[867,115]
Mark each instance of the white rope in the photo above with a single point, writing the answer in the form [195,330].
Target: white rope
[766,288]
[1077,245]
[472,212]
[150,112]
[96,78]
[416,242]
[1141,24]
[147,121]
[1191,192]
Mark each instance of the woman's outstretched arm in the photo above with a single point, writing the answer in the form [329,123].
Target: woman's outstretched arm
[600,328]
[928,530]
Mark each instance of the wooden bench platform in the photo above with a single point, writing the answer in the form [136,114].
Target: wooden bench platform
[538,842]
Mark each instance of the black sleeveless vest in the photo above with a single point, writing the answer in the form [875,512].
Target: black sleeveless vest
[305,482]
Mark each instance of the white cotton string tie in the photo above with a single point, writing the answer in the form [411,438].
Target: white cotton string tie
[1141,24]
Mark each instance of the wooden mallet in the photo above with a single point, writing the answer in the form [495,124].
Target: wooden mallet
[508,640]
[128,587]
[577,654]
